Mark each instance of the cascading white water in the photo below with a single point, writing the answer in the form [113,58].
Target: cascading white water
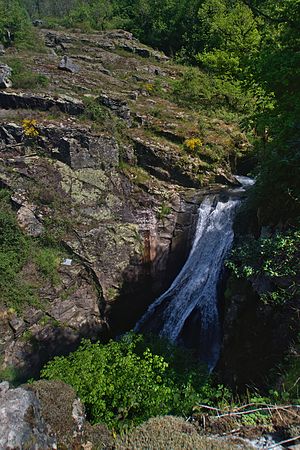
[190,306]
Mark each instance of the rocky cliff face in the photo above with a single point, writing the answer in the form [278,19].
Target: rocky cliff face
[258,335]
[104,175]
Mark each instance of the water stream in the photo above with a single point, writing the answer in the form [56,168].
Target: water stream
[187,312]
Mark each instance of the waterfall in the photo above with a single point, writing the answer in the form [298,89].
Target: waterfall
[188,310]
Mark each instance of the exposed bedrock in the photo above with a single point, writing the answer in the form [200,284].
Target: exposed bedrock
[95,161]
[124,240]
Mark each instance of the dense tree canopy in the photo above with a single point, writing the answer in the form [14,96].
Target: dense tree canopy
[14,23]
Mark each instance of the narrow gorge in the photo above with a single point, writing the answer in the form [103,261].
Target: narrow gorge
[187,313]
[149,225]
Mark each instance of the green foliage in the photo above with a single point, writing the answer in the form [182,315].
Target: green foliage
[90,14]
[274,258]
[10,374]
[24,78]
[48,8]
[163,211]
[94,110]
[16,251]
[198,90]
[15,26]
[257,418]
[231,36]
[124,383]
[289,376]
[47,261]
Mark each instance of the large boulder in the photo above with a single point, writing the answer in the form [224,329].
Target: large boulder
[28,222]
[64,414]
[61,410]
[21,423]
[67,64]
[26,100]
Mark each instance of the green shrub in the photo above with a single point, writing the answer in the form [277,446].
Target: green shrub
[47,261]
[193,145]
[15,26]
[16,251]
[198,90]
[287,376]
[275,258]
[94,110]
[10,374]
[124,383]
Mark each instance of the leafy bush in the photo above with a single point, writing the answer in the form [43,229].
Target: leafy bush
[275,258]
[163,211]
[197,90]
[15,26]
[30,127]
[94,110]
[289,375]
[193,145]
[90,14]
[124,383]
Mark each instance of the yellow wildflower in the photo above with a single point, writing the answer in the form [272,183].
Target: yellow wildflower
[30,127]
[193,145]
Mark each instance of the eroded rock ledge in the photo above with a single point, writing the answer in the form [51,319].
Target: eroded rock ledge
[125,239]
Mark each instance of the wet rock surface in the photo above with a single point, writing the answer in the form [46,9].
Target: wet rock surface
[258,335]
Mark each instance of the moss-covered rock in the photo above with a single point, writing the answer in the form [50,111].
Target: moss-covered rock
[161,433]
[61,410]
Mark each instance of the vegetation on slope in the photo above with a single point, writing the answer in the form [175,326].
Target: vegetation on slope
[250,49]
[125,382]
[18,252]
[276,258]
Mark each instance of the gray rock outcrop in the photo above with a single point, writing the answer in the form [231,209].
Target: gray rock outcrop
[67,64]
[28,222]
[5,74]
[21,423]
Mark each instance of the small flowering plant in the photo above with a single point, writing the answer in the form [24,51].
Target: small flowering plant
[193,145]
[30,128]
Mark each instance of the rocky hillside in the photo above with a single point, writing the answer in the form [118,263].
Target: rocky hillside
[102,170]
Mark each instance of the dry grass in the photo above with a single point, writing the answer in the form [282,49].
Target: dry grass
[172,433]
